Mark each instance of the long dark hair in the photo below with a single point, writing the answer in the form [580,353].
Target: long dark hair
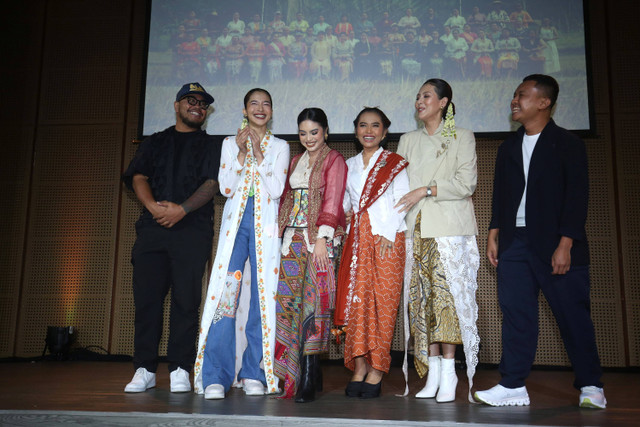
[315,115]
[386,123]
[443,89]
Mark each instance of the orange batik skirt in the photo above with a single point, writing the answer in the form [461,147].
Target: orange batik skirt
[374,303]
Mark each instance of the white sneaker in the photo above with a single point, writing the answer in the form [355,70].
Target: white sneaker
[592,397]
[252,387]
[214,391]
[180,381]
[141,381]
[502,396]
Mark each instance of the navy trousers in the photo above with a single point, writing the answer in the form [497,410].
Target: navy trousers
[166,259]
[521,276]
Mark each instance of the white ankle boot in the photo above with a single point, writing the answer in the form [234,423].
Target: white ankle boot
[433,379]
[448,381]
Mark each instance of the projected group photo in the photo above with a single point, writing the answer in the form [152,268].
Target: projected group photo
[342,55]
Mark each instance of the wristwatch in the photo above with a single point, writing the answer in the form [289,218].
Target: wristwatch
[429,192]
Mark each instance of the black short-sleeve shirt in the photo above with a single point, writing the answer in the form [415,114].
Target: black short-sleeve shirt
[176,164]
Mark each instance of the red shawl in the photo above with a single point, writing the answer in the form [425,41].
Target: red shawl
[380,177]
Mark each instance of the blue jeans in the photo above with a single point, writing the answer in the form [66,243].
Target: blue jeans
[220,353]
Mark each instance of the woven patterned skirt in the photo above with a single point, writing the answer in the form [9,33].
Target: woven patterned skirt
[304,305]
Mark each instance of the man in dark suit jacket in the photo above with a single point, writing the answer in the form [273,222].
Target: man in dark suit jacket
[540,198]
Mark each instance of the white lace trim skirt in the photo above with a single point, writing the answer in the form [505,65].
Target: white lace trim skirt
[461,260]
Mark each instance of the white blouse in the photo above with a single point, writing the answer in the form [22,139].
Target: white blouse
[299,178]
[385,220]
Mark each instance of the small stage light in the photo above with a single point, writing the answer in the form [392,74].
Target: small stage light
[59,340]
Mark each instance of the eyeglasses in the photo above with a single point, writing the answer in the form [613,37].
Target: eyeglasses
[192,100]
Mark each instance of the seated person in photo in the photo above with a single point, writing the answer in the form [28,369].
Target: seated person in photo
[409,56]
[532,58]
[468,34]
[519,31]
[477,19]
[498,15]
[192,22]
[204,40]
[299,24]
[225,38]
[256,25]
[297,57]
[495,32]
[236,25]
[364,55]
[456,52]
[254,53]
[373,37]
[430,21]
[455,20]
[342,55]
[384,24]
[286,37]
[320,26]
[395,36]
[363,25]
[409,23]
[386,53]
[482,50]
[521,15]
[247,37]
[309,38]
[508,48]
[320,66]
[343,27]
[234,59]
[435,54]
[277,24]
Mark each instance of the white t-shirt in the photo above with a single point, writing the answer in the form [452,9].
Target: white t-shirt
[528,145]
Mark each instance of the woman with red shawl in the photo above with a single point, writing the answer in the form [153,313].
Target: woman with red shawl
[372,266]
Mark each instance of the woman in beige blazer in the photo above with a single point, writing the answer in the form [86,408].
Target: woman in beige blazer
[441,296]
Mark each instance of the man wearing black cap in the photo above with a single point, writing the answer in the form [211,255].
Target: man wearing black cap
[174,174]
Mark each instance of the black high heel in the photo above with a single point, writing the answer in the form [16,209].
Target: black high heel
[354,388]
[370,391]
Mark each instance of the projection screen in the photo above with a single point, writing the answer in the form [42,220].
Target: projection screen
[342,55]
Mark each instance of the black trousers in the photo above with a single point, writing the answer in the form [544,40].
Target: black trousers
[166,259]
[521,277]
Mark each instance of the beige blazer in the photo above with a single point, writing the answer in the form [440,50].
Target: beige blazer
[451,165]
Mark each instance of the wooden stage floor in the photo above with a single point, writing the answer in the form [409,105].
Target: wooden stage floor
[37,390]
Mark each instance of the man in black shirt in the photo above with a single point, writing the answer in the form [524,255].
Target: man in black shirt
[174,174]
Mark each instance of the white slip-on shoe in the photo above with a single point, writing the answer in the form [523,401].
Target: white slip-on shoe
[180,381]
[592,397]
[502,396]
[433,379]
[252,387]
[214,391]
[141,381]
